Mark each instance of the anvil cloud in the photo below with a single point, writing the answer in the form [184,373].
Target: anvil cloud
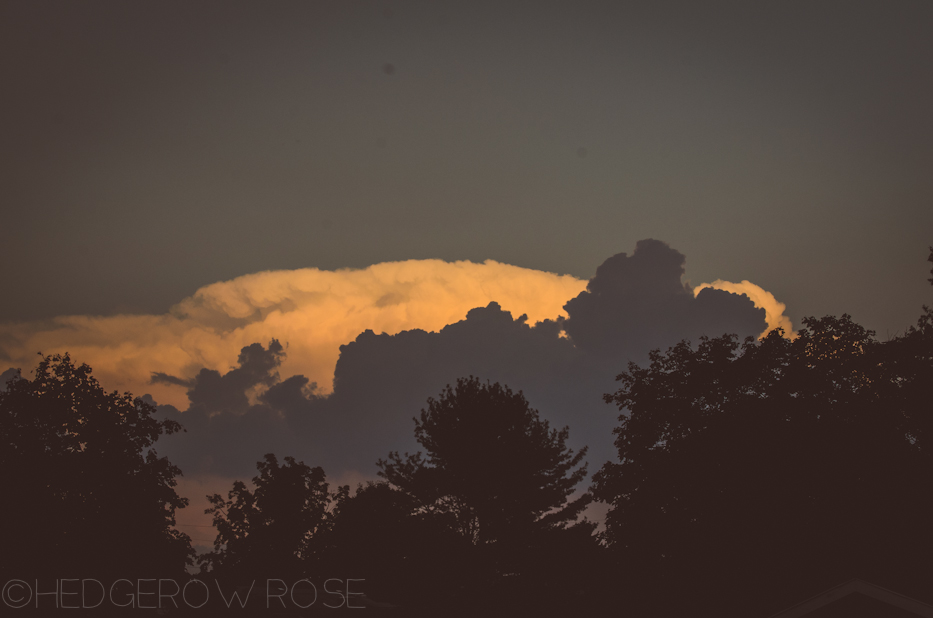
[311,311]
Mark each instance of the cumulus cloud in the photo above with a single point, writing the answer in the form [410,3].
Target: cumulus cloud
[381,382]
[639,302]
[774,310]
[211,392]
[6,376]
[311,311]
[633,304]
[331,366]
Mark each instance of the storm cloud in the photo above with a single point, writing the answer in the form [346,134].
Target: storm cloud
[633,304]
[6,376]
[311,311]
[638,302]
[381,381]
[332,366]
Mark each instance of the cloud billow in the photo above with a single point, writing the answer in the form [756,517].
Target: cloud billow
[6,376]
[381,382]
[209,392]
[637,303]
[310,310]
[633,304]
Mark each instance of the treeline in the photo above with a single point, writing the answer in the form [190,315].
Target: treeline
[484,518]
[750,476]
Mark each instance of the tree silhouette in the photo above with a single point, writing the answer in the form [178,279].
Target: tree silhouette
[773,467]
[266,532]
[492,463]
[496,474]
[404,555]
[87,493]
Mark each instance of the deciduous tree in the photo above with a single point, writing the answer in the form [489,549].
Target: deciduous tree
[86,493]
[267,531]
[774,466]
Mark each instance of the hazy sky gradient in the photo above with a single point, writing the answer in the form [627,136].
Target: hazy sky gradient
[153,148]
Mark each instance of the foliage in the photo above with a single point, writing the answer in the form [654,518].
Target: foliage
[267,532]
[735,461]
[493,465]
[404,556]
[89,494]
[499,479]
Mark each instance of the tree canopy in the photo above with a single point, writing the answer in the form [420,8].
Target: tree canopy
[491,463]
[267,531]
[88,493]
[406,556]
[497,476]
[774,465]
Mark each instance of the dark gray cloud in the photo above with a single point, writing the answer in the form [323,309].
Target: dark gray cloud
[224,432]
[7,375]
[381,382]
[210,392]
[638,302]
[633,304]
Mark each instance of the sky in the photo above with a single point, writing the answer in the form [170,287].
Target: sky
[152,148]
[182,181]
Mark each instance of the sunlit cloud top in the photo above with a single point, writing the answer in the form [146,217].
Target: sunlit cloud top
[312,311]
[763,299]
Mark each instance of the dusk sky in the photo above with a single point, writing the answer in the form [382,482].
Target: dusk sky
[153,150]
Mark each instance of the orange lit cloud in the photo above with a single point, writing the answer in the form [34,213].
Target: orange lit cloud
[774,310]
[313,311]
